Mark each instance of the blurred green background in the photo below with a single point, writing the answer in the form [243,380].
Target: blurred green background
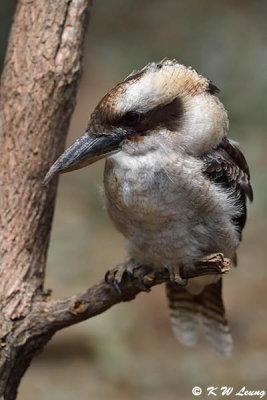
[129,352]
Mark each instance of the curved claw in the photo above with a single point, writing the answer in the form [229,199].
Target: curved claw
[115,276]
[106,276]
[116,286]
[113,281]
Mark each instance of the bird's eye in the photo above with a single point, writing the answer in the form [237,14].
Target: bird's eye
[132,118]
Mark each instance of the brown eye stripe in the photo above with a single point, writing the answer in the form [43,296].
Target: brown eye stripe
[167,116]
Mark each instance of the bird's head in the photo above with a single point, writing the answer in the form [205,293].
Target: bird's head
[163,102]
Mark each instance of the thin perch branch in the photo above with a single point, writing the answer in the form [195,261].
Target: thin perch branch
[51,316]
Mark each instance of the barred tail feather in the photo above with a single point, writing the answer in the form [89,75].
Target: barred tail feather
[216,327]
[187,309]
[184,318]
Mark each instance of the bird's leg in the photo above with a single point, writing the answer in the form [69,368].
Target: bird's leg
[175,274]
[115,276]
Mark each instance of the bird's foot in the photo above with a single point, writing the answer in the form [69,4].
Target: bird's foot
[115,276]
[175,275]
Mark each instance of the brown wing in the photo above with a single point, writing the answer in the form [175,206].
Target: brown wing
[226,165]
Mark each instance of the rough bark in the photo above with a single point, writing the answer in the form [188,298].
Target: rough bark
[37,97]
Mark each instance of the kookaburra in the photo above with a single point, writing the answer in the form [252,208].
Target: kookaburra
[174,185]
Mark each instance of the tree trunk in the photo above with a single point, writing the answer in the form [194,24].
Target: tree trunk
[37,97]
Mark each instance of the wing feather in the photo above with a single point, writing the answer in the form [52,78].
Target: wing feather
[226,165]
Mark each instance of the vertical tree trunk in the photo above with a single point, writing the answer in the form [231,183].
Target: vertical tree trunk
[37,98]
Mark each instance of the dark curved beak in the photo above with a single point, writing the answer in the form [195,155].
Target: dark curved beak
[87,149]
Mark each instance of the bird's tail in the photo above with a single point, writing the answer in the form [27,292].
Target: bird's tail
[187,309]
